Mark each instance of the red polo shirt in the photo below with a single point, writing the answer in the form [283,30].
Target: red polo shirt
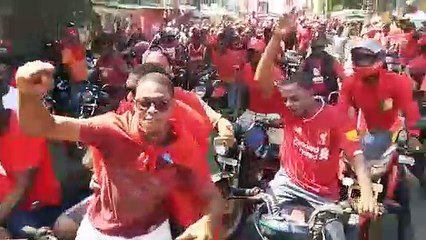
[18,153]
[226,63]
[381,102]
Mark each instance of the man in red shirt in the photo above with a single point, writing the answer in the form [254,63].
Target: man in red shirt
[314,137]
[30,195]
[409,49]
[142,158]
[381,96]
[260,107]
[417,67]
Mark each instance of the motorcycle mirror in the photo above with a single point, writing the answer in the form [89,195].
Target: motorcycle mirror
[402,137]
[216,83]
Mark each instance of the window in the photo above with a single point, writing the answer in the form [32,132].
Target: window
[128,1]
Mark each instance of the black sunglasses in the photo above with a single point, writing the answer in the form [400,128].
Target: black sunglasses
[160,105]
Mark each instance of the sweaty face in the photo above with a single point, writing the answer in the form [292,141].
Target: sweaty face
[153,103]
[295,98]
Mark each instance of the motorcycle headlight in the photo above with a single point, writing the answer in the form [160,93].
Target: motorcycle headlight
[200,91]
[87,96]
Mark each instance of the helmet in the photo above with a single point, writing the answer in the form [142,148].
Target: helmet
[368,57]
[370,44]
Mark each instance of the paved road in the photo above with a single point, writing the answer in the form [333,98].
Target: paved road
[418,210]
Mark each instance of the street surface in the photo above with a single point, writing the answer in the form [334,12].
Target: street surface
[418,211]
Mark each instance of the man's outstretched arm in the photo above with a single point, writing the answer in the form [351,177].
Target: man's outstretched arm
[34,79]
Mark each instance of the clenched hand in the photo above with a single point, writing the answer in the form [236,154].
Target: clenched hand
[35,78]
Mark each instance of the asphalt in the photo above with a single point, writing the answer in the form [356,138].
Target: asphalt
[418,210]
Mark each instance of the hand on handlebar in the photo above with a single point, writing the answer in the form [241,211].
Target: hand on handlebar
[368,204]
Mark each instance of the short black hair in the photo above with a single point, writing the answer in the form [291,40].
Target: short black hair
[138,74]
[158,78]
[302,79]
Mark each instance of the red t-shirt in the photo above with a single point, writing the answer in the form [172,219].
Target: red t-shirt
[257,102]
[381,103]
[18,153]
[311,150]
[409,48]
[226,64]
[131,174]
[112,70]
[417,68]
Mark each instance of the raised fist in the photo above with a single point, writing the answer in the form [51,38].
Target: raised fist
[35,78]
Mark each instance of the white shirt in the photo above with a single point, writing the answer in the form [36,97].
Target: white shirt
[10,100]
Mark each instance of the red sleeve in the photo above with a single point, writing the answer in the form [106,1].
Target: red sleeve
[98,131]
[27,152]
[345,98]
[405,101]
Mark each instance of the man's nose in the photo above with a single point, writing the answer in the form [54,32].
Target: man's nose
[288,103]
[151,109]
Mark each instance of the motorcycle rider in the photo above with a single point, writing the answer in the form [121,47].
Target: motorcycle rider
[325,68]
[148,179]
[259,107]
[380,95]
[314,137]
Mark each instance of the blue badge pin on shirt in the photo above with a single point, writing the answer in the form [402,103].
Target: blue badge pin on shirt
[167,158]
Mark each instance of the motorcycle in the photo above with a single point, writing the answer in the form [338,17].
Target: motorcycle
[93,98]
[94,101]
[210,89]
[385,174]
[291,63]
[295,221]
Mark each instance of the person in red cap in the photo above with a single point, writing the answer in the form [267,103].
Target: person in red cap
[381,96]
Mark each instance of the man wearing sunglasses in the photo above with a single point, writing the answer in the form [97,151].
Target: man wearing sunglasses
[381,96]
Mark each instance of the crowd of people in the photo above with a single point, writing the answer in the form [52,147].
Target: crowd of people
[148,155]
